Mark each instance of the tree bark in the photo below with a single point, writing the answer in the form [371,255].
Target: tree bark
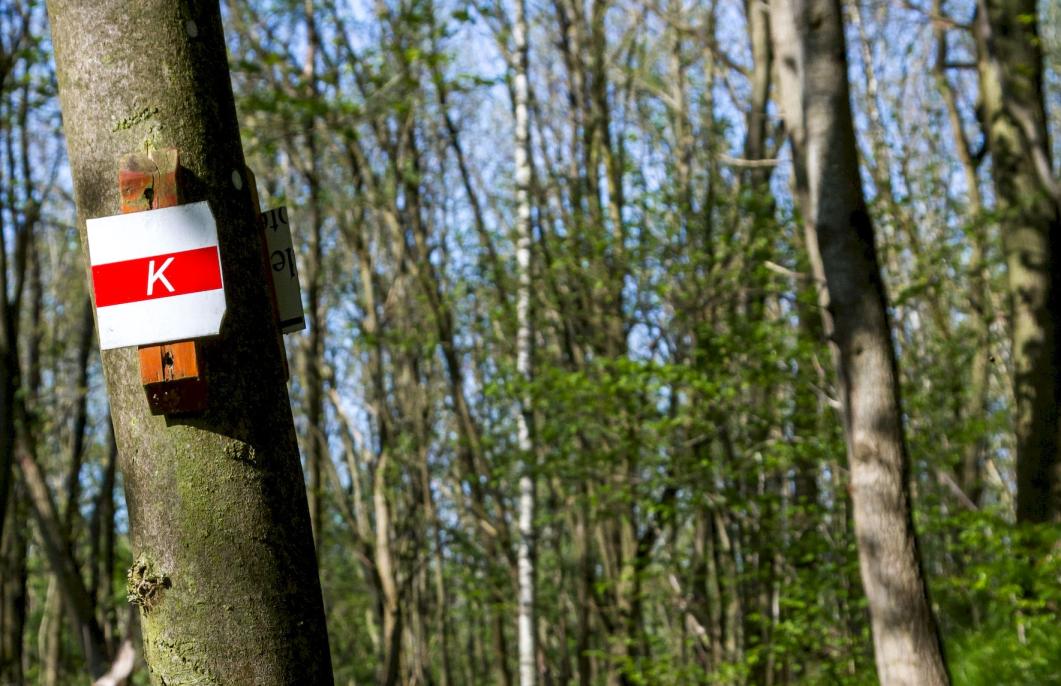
[385,563]
[1009,61]
[12,280]
[50,634]
[101,538]
[528,673]
[13,591]
[974,408]
[313,352]
[840,234]
[224,568]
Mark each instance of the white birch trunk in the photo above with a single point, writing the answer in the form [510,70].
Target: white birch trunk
[525,553]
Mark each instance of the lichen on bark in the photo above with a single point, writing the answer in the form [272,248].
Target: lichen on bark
[145,584]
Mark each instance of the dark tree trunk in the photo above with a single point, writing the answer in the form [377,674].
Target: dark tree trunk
[13,577]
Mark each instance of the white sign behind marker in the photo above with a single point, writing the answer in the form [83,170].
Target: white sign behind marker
[284,270]
[156,276]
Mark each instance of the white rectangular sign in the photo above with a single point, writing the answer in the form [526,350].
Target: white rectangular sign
[285,271]
[156,275]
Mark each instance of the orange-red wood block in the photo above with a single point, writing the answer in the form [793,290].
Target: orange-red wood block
[171,373]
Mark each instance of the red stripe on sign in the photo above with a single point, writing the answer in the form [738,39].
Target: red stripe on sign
[158,276]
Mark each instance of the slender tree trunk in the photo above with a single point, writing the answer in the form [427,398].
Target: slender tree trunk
[442,609]
[584,589]
[101,537]
[491,261]
[974,407]
[313,352]
[758,202]
[758,18]
[528,673]
[224,568]
[12,281]
[50,635]
[78,430]
[839,232]
[52,625]
[75,596]
[1029,207]
[711,587]
[13,596]
[8,388]
[392,616]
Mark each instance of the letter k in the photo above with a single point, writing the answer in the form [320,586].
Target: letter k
[153,276]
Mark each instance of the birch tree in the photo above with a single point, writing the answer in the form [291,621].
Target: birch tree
[525,553]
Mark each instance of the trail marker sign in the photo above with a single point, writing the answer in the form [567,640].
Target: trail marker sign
[156,275]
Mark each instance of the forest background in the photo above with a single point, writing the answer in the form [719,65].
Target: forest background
[680,419]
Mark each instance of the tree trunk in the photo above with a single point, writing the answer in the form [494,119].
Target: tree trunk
[101,537]
[1029,208]
[224,568]
[840,234]
[313,352]
[52,624]
[12,280]
[385,563]
[974,408]
[50,635]
[528,673]
[13,595]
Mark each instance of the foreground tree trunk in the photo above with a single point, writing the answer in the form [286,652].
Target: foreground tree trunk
[224,569]
[1010,63]
[841,242]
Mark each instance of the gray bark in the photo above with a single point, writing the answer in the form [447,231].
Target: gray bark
[840,238]
[224,571]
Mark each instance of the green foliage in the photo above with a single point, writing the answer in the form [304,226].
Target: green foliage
[1003,606]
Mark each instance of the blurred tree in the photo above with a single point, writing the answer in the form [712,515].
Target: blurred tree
[1010,65]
